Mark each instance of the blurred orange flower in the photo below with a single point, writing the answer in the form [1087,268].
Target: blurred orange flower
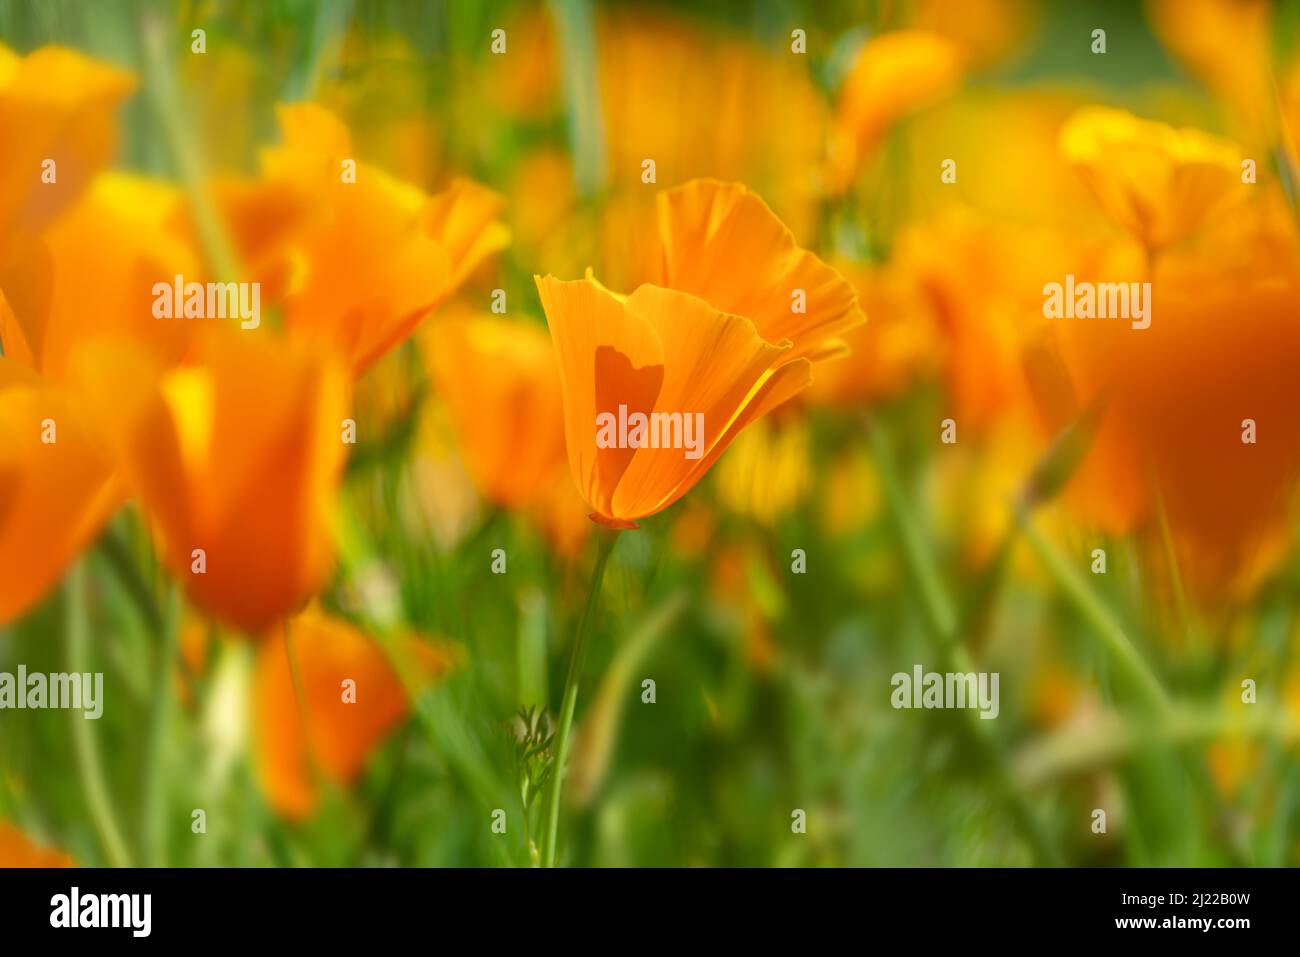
[895,74]
[55,104]
[238,455]
[1157,182]
[499,380]
[351,698]
[1228,45]
[91,274]
[18,850]
[381,254]
[56,487]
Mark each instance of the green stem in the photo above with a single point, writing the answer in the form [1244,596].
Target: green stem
[152,830]
[604,548]
[1096,614]
[90,769]
[944,623]
[186,153]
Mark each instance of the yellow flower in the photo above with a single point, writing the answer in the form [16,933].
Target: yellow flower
[1157,182]
[91,273]
[55,104]
[1228,45]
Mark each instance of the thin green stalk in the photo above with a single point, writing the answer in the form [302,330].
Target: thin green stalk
[153,850]
[605,546]
[90,768]
[1096,614]
[943,621]
[185,150]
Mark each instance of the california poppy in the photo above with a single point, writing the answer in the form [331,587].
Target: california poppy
[380,254]
[1157,182]
[19,850]
[236,457]
[56,486]
[894,75]
[344,701]
[57,107]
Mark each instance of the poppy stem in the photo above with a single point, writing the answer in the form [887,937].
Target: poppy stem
[85,745]
[605,546]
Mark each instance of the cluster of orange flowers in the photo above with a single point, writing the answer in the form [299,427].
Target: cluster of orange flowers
[231,441]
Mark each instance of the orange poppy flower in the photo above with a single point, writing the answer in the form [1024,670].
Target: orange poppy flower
[56,488]
[895,74]
[720,242]
[91,274]
[19,850]
[55,104]
[694,363]
[351,699]
[381,254]
[657,351]
[499,381]
[236,458]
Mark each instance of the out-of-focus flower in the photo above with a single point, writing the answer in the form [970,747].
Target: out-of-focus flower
[526,83]
[895,75]
[499,380]
[501,373]
[1028,184]
[898,346]
[983,283]
[1222,347]
[380,89]
[1228,45]
[239,455]
[327,720]
[768,472]
[989,30]
[1157,182]
[19,850]
[702,103]
[55,104]
[91,274]
[56,487]
[382,254]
